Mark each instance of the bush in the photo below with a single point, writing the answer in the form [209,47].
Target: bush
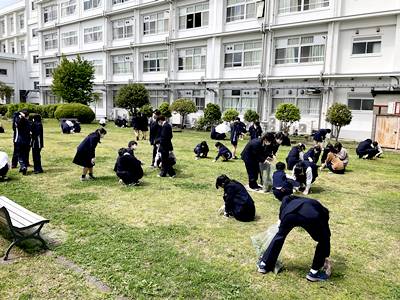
[183,107]
[230,115]
[147,110]
[46,111]
[132,96]
[3,109]
[50,109]
[251,116]
[201,124]
[287,113]
[82,112]
[338,115]
[212,114]
[165,110]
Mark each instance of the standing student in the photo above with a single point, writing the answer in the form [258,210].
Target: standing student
[313,217]
[144,125]
[281,185]
[86,153]
[255,130]
[295,155]
[4,165]
[14,160]
[155,130]
[253,154]
[127,167]
[236,131]
[23,140]
[201,150]
[165,148]
[320,136]
[305,173]
[223,152]
[135,125]
[37,143]
[238,202]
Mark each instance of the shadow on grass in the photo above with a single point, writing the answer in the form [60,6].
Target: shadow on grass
[316,190]
[56,170]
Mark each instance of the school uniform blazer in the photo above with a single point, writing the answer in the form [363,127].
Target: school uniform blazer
[87,148]
[23,132]
[293,157]
[166,137]
[155,131]
[364,146]
[308,208]
[310,154]
[237,199]
[254,152]
[128,163]
[37,135]
[222,151]
[200,149]
[280,181]
[320,135]
[237,130]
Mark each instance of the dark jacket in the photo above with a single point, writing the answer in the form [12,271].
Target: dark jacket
[253,152]
[87,150]
[293,157]
[166,137]
[236,130]
[364,146]
[201,149]
[308,208]
[279,180]
[23,132]
[128,164]
[155,131]
[143,123]
[303,166]
[225,152]
[255,132]
[37,135]
[313,154]
[65,128]
[238,202]
[320,135]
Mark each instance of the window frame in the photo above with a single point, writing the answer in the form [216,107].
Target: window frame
[50,42]
[156,61]
[69,36]
[362,100]
[51,14]
[91,4]
[128,63]
[124,28]
[202,56]
[245,4]
[89,33]
[244,94]
[287,9]
[98,66]
[147,19]
[65,8]
[197,96]
[229,49]
[183,17]
[49,74]
[367,40]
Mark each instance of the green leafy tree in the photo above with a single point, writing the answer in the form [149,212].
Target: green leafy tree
[287,113]
[183,107]
[73,81]
[230,115]
[147,110]
[251,116]
[6,91]
[165,110]
[132,96]
[212,114]
[338,115]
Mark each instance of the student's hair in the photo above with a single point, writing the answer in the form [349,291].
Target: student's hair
[279,136]
[257,123]
[101,131]
[338,146]
[298,168]
[269,136]
[237,119]
[203,143]
[280,166]
[301,146]
[122,151]
[218,144]
[131,143]
[375,143]
[328,131]
[37,118]
[161,118]
[221,181]
[157,112]
[329,146]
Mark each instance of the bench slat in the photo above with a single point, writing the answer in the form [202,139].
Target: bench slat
[13,207]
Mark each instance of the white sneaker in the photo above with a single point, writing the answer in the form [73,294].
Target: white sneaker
[84,179]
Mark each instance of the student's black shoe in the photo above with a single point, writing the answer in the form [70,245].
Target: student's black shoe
[255,187]
[24,171]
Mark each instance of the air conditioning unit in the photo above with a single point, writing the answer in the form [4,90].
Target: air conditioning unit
[303,128]
[313,91]
[271,124]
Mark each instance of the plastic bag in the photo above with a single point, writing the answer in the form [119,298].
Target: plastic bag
[262,240]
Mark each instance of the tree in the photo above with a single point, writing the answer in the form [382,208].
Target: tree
[73,81]
[132,96]
[338,115]
[147,110]
[183,107]
[165,110]
[6,91]
[230,115]
[251,116]
[287,113]
[212,114]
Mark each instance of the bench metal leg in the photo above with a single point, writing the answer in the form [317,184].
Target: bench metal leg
[44,244]
[9,249]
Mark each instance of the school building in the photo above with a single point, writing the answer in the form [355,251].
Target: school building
[242,54]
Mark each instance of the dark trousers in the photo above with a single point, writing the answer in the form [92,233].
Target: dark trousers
[14,161]
[4,170]
[37,160]
[154,154]
[279,194]
[317,229]
[329,166]
[201,154]
[23,156]
[247,214]
[370,152]
[166,167]
[253,172]
[128,177]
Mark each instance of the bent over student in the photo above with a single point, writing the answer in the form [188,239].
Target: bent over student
[238,202]
[313,217]
[295,155]
[201,150]
[86,153]
[223,152]
[305,173]
[128,168]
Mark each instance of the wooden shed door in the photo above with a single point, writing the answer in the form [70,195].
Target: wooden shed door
[387,131]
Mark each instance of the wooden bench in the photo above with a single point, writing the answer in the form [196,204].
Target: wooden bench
[22,223]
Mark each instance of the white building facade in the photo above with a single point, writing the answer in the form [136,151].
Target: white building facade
[242,54]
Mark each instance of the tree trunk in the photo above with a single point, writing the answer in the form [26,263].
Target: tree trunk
[183,121]
[338,132]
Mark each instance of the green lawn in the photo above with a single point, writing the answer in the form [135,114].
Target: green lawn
[164,239]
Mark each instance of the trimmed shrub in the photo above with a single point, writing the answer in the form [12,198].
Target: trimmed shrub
[147,110]
[3,109]
[230,115]
[49,110]
[212,114]
[251,116]
[201,124]
[82,112]
[165,110]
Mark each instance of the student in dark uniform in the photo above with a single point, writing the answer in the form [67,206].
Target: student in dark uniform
[67,127]
[255,153]
[313,217]
[255,130]
[295,155]
[14,160]
[305,173]
[223,152]
[366,150]
[37,143]
[143,125]
[120,122]
[155,130]
[201,150]
[77,126]
[236,131]
[128,168]
[320,136]
[285,140]
[1,128]
[238,202]
[313,154]
[281,185]
[23,140]
[217,136]
[86,153]
[165,148]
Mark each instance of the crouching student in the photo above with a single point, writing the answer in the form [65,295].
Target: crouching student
[128,168]
[223,152]
[366,150]
[281,185]
[67,127]
[313,154]
[4,165]
[305,173]
[333,163]
[313,217]
[295,155]
[238,202]
[320,136]
[378,148]
[201,150]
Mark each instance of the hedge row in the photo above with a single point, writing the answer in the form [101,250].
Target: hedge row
[69,110]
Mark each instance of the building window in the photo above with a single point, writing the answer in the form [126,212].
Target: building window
[2,27]
[240,10]
[119,1]
[33,5]
[308,105]
[156,61]
[241,100]
[3,72]
[35,59]
[69,38]
[93,34]
[244,54]
[49,69]
[197,96]
[305,49]
[361,104]
[50,41]
[49,13]
[22,47]
[50,98]
[192,59]
[12,47]
[36,85]
[122,64]
[21,19]
[193,16]
[367,45]
[34,32]
[288,6]
[68,8]
[2,47]
[156,23]
[157,97]
[123,28]
[11,23]
[90,4]
[98,66]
